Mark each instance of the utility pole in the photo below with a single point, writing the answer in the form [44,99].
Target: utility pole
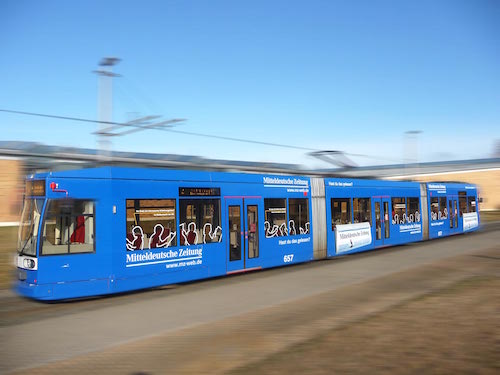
[105,103]
[107,127]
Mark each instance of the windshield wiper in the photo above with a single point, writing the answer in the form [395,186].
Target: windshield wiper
[30,238]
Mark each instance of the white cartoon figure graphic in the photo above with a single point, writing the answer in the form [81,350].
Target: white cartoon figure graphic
[135,239]
[306,230]
[157,239]
[207,231]
[189,236]
[270,232]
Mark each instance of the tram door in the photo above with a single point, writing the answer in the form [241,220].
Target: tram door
[453,214]
[382,223]
[243,234]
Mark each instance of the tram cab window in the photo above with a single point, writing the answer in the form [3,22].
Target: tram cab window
[275,217]
[151,223]
[68,227]
[341,211]
[399,211]
[362,210]
[199,221]
[413,210]
[299,216]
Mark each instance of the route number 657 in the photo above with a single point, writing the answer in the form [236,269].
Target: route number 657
[288,258]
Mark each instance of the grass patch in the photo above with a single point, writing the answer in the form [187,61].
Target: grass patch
[448,331]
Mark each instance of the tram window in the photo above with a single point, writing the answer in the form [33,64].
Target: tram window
[253,231]
[362,210]
[28,227]
[199,221]
[398,211]
[341,211]
[443,210]
[413,210]
[471,204]
[234,216]
[462,202]
[68,227]
[299,216]
[275,217]
[434,208]
[151,223]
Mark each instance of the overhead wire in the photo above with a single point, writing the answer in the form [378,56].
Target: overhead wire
[226,138]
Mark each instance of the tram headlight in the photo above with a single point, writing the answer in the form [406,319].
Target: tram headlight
[29,263]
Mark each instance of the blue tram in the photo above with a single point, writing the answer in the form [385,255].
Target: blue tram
[110,230]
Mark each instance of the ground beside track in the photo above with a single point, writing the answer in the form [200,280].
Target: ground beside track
[440,316]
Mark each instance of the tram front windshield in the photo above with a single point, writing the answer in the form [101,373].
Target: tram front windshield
[28,228]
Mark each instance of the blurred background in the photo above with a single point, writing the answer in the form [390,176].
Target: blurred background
[402,90]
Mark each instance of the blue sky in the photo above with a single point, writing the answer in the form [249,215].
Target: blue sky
[328,75]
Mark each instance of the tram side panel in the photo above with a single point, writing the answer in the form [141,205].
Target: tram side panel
[153,243]
[366,214]
[169,231]
[453,208]
[406,213]
[287,230]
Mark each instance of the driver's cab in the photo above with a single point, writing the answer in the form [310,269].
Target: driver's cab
[29,227]
[56,243]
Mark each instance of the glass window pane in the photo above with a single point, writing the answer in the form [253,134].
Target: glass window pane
[398,211]
[386,220]
[471,204]
[28,227]
[199,221]
[341,211]
[413,210]
[462,202]
[378,221]
[450,211]
[362,210]
[234,233]
[434,208]
[299,216]
[275,216]
[68,227]
[443,209]
[151,223]
[253,231]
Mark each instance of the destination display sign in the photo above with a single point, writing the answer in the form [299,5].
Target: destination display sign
[199,192]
